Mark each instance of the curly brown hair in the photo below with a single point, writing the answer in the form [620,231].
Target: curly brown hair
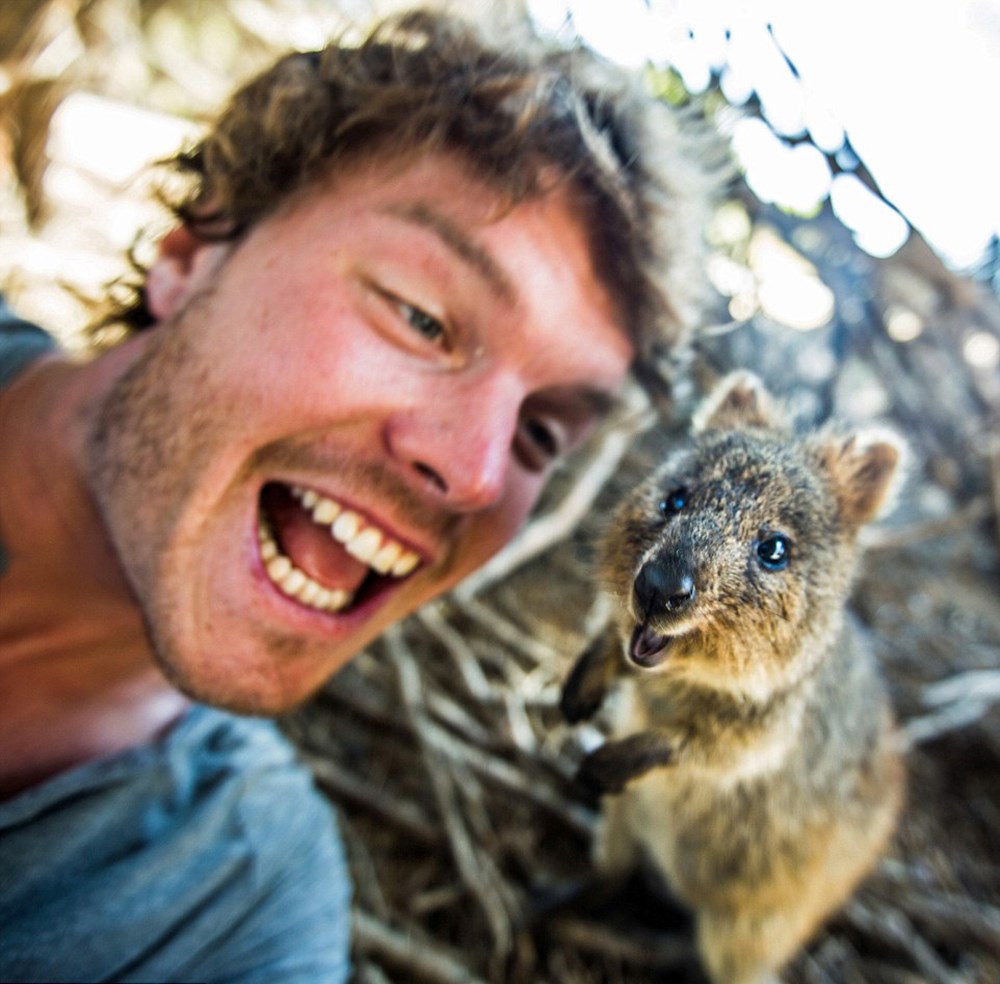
[513,105]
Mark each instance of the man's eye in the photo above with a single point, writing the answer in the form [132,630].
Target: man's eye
[542,436]
[538,444]
[426,324]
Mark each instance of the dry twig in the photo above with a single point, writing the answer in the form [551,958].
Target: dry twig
[402,950]
[476,868]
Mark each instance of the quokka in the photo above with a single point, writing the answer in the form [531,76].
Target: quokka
[753,758]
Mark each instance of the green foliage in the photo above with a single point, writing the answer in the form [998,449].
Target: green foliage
[667,84]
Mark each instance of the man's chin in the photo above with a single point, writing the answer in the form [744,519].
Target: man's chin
[251,703]
[255,694]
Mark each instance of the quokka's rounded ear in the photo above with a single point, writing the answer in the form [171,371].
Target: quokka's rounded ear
[866,471]
[740,400]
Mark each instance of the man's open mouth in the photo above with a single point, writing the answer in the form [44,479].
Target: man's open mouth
[323,554]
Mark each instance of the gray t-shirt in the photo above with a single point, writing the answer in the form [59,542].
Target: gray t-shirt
[20,342]
[207,855]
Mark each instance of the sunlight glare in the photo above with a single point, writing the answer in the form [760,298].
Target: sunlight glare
[789,289]
[910,90]
[878,229]
[902,324]
[982,350]
[795,177]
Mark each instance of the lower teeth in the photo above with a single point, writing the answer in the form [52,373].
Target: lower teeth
[295,583]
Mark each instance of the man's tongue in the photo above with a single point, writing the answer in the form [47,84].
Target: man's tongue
[310,546]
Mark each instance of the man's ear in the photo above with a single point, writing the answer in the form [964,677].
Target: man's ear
[865,472]
[182,267]
[738,401]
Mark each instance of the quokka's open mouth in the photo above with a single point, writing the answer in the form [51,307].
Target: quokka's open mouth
[647,647]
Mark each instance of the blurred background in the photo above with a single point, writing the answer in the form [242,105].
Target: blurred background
[856,264]
[876,113]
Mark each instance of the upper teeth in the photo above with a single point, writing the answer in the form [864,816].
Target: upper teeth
[364,542]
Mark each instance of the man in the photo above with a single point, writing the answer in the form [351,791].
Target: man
[407,279]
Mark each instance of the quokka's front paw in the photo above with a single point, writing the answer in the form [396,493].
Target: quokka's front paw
[600,773]
[578,703]
[587,684]
[610,768]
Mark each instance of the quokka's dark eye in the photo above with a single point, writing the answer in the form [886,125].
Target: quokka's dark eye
[774,552]
[674,503]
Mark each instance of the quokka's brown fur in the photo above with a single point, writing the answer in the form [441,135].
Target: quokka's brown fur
[752,749]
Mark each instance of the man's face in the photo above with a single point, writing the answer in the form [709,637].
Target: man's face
[341,417]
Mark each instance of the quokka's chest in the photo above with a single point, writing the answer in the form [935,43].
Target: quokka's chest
[706,831]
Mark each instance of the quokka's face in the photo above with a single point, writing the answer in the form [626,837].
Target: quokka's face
[732,547]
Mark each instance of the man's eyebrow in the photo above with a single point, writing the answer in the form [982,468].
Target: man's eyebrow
[459,242]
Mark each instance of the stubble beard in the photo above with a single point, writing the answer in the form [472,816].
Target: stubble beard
[141,448]
[151,440]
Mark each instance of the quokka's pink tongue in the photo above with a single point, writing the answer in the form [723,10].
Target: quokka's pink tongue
[647,647]
[310,546]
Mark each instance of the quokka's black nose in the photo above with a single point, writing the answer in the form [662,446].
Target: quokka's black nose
[663,585]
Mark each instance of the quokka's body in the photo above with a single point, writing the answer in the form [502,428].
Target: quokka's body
[752,750]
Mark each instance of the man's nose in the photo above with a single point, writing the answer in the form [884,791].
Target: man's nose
[458,444]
